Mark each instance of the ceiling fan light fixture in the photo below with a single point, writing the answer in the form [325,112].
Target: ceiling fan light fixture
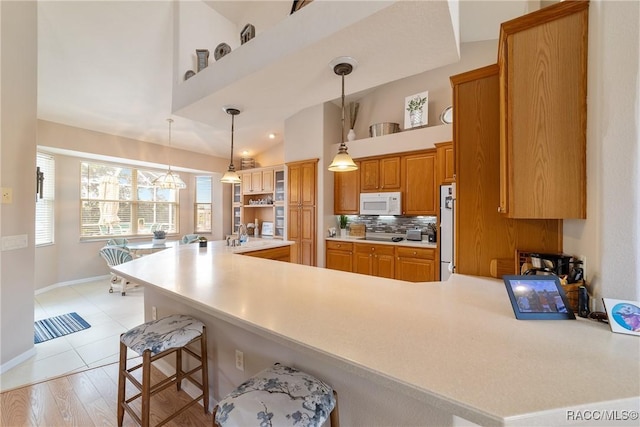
[169,180]
[231,176]
[342,162]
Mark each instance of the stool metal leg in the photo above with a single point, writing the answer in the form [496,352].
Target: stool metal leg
[179,371]
[121,382]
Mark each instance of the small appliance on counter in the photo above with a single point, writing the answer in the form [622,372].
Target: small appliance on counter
[414,235]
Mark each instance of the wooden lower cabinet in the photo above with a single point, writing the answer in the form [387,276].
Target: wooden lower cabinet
[374,260]
[339,256]
[276,254]
[415,264]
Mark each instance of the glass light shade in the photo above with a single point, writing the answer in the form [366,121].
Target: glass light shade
[169,181]
[230,177]
[342,162]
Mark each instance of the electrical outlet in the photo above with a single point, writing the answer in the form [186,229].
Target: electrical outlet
[7,195]
[154,313]
[239,360]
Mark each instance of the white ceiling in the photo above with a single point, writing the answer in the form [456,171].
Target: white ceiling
[107,66]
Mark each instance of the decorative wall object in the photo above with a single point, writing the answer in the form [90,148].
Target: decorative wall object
[299,4]
[247,33]
[189,74]
[416,107]
[221,50]
[203,58]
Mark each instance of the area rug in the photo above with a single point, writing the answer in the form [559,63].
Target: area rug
[57,326]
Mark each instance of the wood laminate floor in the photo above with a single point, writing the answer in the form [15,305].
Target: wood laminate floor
[89,398]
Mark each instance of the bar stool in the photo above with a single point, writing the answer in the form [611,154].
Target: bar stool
[278,396]
[154,340]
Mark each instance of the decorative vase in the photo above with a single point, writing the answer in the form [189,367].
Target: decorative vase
[351,135]
[203,60]
[416,117]
[343,232]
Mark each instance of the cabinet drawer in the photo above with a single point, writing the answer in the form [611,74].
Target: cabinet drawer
[375,249]
[339,246]
[422,253]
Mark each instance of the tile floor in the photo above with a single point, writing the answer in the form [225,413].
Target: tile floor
[108,314]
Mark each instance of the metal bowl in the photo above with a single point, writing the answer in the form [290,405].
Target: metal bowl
[380,129]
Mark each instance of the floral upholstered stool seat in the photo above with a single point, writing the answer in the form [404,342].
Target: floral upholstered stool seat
[154,340]
[279,396]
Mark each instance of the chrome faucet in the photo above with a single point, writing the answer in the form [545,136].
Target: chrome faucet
[242,233]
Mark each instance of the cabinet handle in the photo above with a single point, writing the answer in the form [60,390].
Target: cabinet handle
[499,208]
[414,252]
[339,245]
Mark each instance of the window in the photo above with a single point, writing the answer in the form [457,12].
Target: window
[45,205]
[203,206]
[119,200]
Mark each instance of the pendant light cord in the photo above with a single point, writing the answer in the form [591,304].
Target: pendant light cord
[231,166]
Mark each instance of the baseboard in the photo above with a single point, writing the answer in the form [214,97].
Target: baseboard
[17,360]
[71,283]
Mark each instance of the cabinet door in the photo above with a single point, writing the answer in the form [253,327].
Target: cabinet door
[267,181]
[363,263]
[384,265]
[339,260]
[308,183]
[369,179]
[246,183]
[256,181]
[543,113]
[346,192]
[389,174]
[444,155]
[415,269]
[420,184]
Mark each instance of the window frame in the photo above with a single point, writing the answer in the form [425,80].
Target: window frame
[197,203]
[134,202]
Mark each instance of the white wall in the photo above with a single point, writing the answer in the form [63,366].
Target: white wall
[18,108]
[609,235]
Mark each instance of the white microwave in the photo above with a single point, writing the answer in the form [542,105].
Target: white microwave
[381,203]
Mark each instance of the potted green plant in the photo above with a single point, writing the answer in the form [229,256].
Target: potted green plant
[159,237]
[342,221]
[202,241]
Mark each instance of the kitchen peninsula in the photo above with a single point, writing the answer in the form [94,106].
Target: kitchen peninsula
[398,353]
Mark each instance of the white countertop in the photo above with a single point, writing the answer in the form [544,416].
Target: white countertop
[455,344]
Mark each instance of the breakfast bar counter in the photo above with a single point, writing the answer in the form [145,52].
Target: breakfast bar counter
[398,353]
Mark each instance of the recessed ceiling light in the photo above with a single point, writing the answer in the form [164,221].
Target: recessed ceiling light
[272,136]
[245,153]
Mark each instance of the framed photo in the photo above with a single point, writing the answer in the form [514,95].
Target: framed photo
[538,297]
[416,108]
[624,316]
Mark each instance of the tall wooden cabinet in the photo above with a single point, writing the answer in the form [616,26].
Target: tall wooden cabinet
[302,190]
[481,232]
[542,59]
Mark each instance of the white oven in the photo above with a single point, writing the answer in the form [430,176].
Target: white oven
[381,203]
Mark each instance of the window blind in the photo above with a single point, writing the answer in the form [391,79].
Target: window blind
[44,233]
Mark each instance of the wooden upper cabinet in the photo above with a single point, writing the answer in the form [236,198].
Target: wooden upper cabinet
[542,60]
[257,181]
[419,183]
[346,192]
[444,155]
[381,174]
[302,211]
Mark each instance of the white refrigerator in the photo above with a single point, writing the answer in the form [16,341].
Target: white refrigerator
[447,203]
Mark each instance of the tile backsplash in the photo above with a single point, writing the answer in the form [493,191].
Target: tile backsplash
[393,224]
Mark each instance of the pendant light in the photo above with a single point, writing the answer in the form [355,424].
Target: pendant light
[343,162]
[169,180]
[231,176]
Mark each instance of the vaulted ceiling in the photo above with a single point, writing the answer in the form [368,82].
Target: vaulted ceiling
[109,66]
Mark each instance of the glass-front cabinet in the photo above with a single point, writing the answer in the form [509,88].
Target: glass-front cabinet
[259,204]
